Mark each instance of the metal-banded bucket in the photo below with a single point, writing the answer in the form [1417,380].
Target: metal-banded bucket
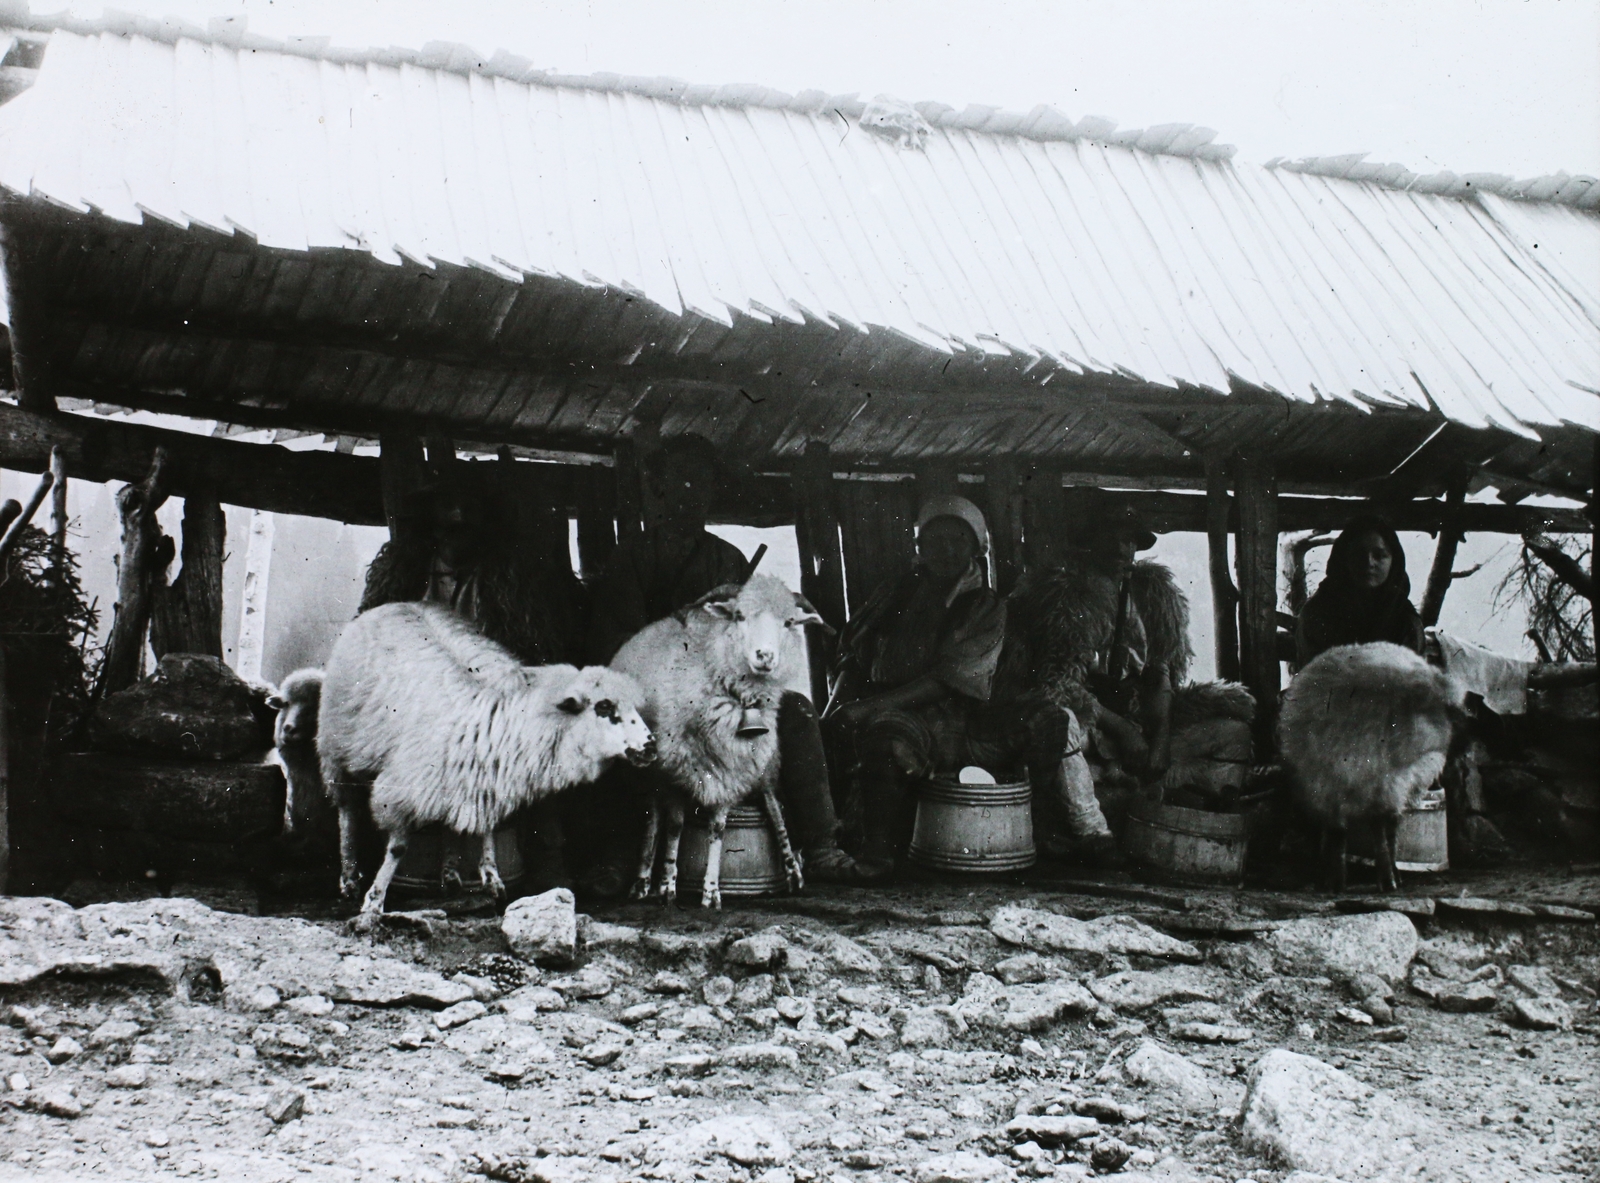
[1421,844]
[751,861]
[434,850]
[974,828]
[1187,845]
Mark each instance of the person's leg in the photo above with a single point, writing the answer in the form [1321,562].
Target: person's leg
[1055,742]
[806,793]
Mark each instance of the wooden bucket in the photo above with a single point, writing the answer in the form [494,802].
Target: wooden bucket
[751,861]
[1187,845]
[430,848]
[973,828]
[1421,844]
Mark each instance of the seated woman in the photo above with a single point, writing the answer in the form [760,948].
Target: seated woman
[1364,596]
[914,666]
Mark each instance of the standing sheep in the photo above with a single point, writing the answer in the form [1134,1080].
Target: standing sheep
[1363,728]
[713,674]
[449,727]
[294,738]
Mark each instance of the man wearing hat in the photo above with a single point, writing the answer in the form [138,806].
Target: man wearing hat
[913,671]
[1076,641]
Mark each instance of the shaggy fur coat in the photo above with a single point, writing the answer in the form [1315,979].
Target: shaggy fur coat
[1363,727]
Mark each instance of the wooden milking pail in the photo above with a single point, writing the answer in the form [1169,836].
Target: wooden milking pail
[974,827]
[751,862]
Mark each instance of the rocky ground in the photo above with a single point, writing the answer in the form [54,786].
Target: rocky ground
[944,1033]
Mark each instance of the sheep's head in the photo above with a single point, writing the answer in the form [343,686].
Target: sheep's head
[604,705]
[760,623]
[296,701]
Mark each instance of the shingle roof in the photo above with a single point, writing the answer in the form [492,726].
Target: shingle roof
[977,234]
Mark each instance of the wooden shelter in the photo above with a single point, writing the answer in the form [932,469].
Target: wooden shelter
[857,302]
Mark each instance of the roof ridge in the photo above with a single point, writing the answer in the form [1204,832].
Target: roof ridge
[1561,188]
[1043,123]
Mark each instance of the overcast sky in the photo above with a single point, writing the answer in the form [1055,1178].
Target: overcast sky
[1471,85]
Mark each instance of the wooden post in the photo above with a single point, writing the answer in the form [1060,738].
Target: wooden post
[125,645]
[821,557]
[1003,508]
[1444,554]
[187,616]
[1045,525]
[58,512]
[1256,484]
[597,525]
[629,493]
[253,610]
[1224,596]
[401,471]
[5,776]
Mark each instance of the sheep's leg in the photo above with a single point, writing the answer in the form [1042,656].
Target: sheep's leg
[791,865]
[372,906]
[711,893]
[349,831]
[647,852]
[489,868]
[1386,853]
[669,857]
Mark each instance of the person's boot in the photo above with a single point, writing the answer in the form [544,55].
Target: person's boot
[828,864]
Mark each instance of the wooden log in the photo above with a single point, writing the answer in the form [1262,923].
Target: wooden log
[19,521]
[58,510]
[597,523]
[256,476]
[1224,596]
[629,492]
[1256,485]
[1045,524]
[1003,509]
[5,777]
[186,616]
[137,503]
[821,557]
[403,472]
[31,374]
[253,601]
[1444,555]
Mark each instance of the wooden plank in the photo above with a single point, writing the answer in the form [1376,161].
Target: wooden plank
[401,469]
[1003,509]
[597,523]
[1224,596]
[629,494]
[1256,486]
[1444,554]
[821,560]
[876,520]
[255,476]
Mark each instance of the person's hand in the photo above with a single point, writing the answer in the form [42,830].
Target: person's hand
[856,713]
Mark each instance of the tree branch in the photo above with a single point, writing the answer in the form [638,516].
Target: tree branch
[1561,564]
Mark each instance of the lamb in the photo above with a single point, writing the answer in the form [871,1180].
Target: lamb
[1363,727]
[449,727]
[713,675]
[294,738]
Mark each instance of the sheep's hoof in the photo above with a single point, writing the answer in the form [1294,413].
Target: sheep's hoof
[365,923]
[711,899]
[495,885]
[640,889]
[349,886]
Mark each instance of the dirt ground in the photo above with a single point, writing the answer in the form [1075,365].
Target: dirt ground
[863,1056]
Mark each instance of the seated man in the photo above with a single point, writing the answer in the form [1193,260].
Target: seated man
[1106,637]
[672,563]
[912,672]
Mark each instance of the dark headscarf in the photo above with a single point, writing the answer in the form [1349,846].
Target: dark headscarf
[1344,613]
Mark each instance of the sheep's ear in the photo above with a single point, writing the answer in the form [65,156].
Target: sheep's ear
[718,601]
[277,701]
[721,609]
[809,615]
[572,704]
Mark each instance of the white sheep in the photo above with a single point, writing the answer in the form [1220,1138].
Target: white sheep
[1363,727]
[449,727]
[294,738]
[713,674]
